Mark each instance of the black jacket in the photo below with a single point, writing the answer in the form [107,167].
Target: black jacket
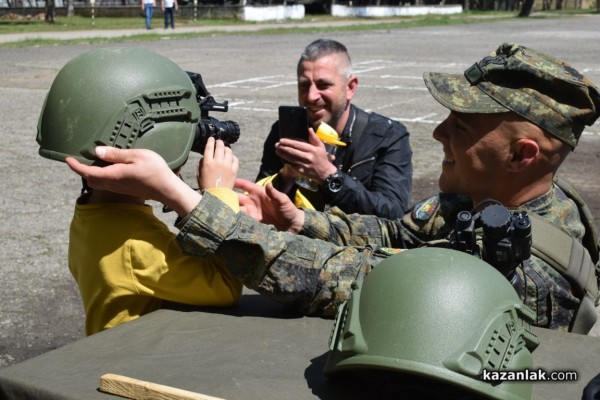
[378,167]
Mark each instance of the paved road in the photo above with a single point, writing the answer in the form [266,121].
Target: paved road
[39,303]
[114,33]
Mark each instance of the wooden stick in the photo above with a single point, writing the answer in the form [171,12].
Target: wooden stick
[141,390]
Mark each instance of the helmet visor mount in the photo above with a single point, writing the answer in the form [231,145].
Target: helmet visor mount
[137,124]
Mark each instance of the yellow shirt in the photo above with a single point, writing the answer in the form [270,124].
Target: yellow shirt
[127,262]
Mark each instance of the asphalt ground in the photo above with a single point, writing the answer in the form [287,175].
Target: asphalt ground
[40,307]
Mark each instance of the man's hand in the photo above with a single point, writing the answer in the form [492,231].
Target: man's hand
[308,159]
[141,173]
[219,166]
[269,206]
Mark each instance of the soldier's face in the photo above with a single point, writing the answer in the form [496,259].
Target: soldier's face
[476,152]
[325,90]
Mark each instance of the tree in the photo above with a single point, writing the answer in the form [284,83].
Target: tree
[49,11]
[70,8]
[527,8]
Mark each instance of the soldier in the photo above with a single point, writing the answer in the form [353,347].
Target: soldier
[514,117]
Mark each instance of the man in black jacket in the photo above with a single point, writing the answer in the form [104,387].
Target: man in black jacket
[371,175]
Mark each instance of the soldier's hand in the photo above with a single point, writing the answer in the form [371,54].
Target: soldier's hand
[270,206]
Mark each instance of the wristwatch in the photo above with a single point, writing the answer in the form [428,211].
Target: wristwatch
[334,182]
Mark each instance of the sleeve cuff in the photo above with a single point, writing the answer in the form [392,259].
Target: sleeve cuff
[203,230]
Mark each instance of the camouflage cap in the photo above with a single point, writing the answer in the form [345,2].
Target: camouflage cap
[546,91]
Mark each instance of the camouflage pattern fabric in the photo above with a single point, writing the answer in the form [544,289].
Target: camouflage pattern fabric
[546,91]
[312,276]
[542,288]
[315,276]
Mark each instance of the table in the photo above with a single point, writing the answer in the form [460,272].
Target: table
[257,350]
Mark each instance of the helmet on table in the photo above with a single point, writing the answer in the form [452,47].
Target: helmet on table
[437,315]
[121,97]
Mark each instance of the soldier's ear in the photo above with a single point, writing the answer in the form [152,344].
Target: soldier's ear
[524,152]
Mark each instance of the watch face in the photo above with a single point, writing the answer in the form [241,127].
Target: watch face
[335,184]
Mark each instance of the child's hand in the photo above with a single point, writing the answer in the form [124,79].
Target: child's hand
[218,168]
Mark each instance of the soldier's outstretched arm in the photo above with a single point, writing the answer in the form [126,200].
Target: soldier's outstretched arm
[312,275]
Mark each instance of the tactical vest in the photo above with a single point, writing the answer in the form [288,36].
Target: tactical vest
[578,262]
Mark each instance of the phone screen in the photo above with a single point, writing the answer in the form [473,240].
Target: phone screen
[293,122]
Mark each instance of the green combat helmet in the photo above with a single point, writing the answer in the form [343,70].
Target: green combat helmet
[439,317]
[120,97]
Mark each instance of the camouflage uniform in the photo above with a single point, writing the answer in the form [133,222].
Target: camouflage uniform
[315,276]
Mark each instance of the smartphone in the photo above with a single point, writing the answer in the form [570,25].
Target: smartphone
[293,122]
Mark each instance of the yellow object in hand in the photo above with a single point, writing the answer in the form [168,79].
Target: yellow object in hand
[328,135]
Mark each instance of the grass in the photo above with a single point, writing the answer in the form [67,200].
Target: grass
[78,23]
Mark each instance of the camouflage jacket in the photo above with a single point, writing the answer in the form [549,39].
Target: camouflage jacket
[315,276]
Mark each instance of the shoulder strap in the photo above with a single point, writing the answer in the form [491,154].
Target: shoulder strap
[568,256]
[591,241]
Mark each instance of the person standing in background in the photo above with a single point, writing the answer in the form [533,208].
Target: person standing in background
[169,7]
[148,9]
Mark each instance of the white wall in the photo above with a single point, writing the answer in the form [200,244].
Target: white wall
[338,10]
[270,13]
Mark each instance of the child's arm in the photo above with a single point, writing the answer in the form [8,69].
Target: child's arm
[141,173]
[218,168]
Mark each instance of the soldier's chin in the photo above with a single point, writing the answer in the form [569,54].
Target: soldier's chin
[444,185]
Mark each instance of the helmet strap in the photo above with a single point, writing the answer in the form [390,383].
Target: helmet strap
[86,192]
